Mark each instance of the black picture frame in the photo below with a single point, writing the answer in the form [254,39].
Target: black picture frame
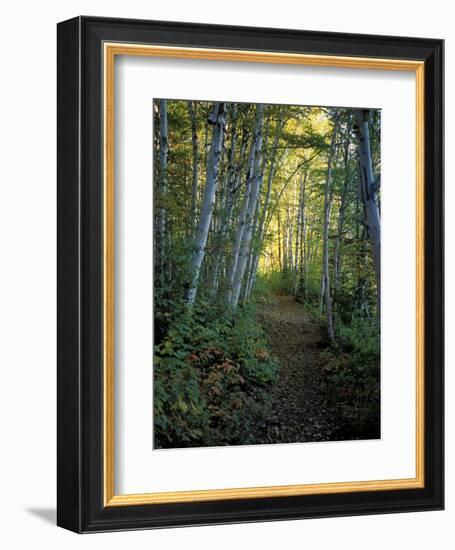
[80,475]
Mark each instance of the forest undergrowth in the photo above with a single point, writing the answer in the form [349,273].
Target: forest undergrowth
[213,376]
[267,375]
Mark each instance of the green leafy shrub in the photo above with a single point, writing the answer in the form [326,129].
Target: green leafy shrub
[353,380]
[212,374]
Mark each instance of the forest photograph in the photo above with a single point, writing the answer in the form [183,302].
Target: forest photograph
[267,260]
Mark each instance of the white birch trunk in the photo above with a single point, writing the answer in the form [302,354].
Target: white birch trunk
[262,225]
[240,228]
[217,119]
[289,245]
[162,185]
[195,150]
[368,194]
[230,186]
[325,255]
[244,251]
[280,262]
[341,215]
[299,239]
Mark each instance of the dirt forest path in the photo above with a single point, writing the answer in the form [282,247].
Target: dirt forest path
[300,411]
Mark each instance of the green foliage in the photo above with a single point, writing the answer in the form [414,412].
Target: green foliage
[212,378]
[274,282]
[353,380]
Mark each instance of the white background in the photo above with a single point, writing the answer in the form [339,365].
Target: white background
[141,469]
[27,218]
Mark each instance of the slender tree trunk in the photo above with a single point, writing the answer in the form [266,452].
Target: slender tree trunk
[162,185]
[240,227]
[341,216]
[322,294]
[261,227]
[195,149]
[234,183]
[244,295]
[369,187]
[290,223]
[244,251]
[299,243]
[296,245]
[307,237]
[279,242]
[285,246]
[217,118]
[230,186]
[327,208]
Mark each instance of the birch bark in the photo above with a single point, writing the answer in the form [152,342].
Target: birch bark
[341,216]
[162,184]
[240,227]
[254,192]
[217,119]
[195,151]
[325,254]
[261,227]
[369,192]
[230,187]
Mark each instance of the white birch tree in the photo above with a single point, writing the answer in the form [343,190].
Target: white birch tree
[325,254]
[162,185]
[229,285]
[262,225]
[369,186]
[195,167]
[217,119]
[251,209]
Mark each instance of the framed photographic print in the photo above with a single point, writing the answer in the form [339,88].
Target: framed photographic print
[250,274]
